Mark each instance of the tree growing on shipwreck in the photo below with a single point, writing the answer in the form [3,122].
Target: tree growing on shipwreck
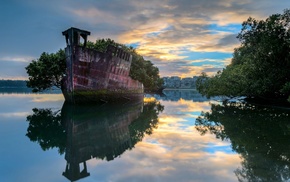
[48,70]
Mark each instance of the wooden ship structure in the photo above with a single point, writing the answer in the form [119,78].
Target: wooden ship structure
[94,76]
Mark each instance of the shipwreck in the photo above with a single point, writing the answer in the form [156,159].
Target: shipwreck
[93,76]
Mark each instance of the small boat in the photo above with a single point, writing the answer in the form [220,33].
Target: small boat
[94,76]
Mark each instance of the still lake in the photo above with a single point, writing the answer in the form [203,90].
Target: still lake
[180,136]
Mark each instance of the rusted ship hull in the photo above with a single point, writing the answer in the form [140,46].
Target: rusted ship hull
[94,76]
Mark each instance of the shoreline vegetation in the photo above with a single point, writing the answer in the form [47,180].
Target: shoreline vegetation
[19,86]
[259,69]
[13,84]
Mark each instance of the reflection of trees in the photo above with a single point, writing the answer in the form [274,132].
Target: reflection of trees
[47,129]
[92,131]
[139,128]
[260,134]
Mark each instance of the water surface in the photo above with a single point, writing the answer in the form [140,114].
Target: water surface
[177,137]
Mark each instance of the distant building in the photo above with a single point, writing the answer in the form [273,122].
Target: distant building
[180,83]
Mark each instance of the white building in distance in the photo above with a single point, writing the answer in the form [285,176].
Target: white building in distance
[180,83]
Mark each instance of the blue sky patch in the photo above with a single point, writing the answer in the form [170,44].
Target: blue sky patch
[212,148]
[135,45]
[206,55]
[232,28]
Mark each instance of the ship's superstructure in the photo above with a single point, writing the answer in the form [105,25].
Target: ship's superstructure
[94,76]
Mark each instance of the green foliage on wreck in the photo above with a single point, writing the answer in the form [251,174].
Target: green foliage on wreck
[48,70]
[141,69]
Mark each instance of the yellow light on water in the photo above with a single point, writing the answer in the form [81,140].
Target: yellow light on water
[149,99]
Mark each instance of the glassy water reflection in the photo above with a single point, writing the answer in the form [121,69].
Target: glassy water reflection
[179,136]
[261,135]
[84,132]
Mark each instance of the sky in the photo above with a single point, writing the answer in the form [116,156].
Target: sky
[182,38]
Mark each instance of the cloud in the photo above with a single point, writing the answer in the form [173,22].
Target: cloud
[25,59]
[175,151]
[186,28]
[189,68]
[225,43]
[164,30]
[14,114]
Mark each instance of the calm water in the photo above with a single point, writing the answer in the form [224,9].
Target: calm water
[178,137]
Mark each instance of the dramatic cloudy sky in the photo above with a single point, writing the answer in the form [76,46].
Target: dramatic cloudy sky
[181,37]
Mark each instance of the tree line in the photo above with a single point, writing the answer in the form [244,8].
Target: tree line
[13,84]
[260,67]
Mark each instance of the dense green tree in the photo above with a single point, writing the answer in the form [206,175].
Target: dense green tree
[260,66]
[47,71]
[145,72]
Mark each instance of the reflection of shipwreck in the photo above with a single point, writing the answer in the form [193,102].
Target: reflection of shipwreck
[96,132]
[94,76]
[84,132]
